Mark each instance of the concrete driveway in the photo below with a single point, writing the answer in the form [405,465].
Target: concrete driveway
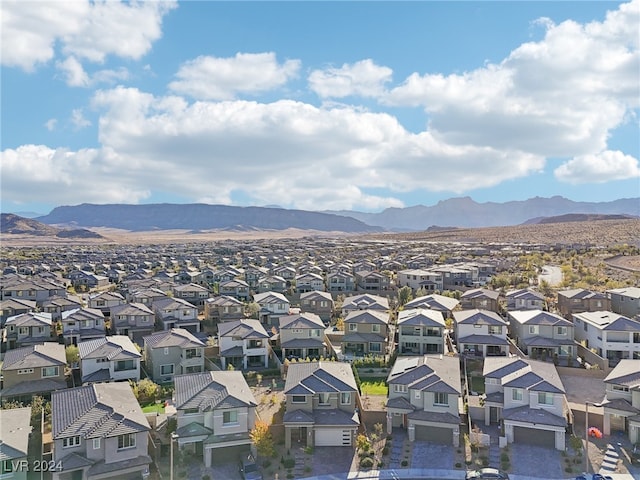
[432,455]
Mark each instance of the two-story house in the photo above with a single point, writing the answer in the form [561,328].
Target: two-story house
[176,313]
[424,398]
[99,431]
[481,333]
[82,324]
[146,296]
[59,304]
[132,319]
[308,282]
[103,301]
[529,398]
[542,334]
[341,281]
[578,300]
[223,308]
[272,305]
[27,329]
[365,332]
[271,283]
[15,431]
[434,301]
[480,299]
[173,352]
[235,288]
[33,370]
[614,336]
[243,343]
[371,280]
[321,400]
[420,331]
[109,359]
[301,336]
[365,301]
[525,299]
[420,279]
[193,293]
[622,400]
[320,303]
[14,306]
[625,301]
[215,411]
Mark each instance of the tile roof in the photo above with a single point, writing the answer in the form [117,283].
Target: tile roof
[320,376]
[422,317]
[478,317]
[211,390]
[431,373]
[245,328]
[40,355]
[15,428]
[114,347]
[176,337]
[301,320]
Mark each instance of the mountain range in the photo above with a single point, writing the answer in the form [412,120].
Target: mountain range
[456,212]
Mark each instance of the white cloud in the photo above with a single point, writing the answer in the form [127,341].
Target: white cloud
[363,78]
[599,168]
[73,72]
[77,119]
[213,78]
[51,124]
[84,30]
[560,96]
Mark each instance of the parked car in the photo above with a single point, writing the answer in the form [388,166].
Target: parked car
[249,468]
[486,474]
[635,453]
[594,476]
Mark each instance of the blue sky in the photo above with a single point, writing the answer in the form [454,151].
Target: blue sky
[318,105]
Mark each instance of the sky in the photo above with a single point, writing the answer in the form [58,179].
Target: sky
[338,105]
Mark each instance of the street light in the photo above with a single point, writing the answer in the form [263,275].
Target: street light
[174,436]
[586,433]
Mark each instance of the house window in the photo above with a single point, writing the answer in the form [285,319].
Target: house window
[353,327]
[545,398]
[25,371]
[533,329]
[122,365]
[297,330]
[495,330]
[298,399]
[71,441]
[166,369]
[561,330]
[375,328]
[96,443]
[166,350]
[49,372]
[345,398]
[440,399]
[375,347]
[491,381]
[315,332]
[399,388]
[417,394]
[323,398]
[620,388]
[128,440]
[516,394]
[230,417]
[193,353]
[191,411]
[636,337]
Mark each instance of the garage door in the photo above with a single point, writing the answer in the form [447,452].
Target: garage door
[434,434]
[332,437]
[532,436]
[223,455]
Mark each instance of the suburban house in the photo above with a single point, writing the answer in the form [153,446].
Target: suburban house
[109,359]
[193,293]
[132,319]
[235,288]
[578,300]
[365,332]
[622,401]
[341,281]
[33,370]
[301,336]
[223,309]
[542,334]
[146,296]
[15,306]
[176,313]
[80,278]
[321,400]
[529,398]
[253,274]
[27,329]
[82,324]
[320,303]
[372,280]
[271,283]
[420,279]
[525,299]
[215,412]
[103,301]
[625,301]
[481,299]
[285,271]
[424,398]
[365,301]
[481,333]
[443,304]
[456,276]
[308,282]
[15,431]
[99,431]
[57,305]
[614,336]
[36,290]
[243,343]
[272,305]
[420,331]
[173,352]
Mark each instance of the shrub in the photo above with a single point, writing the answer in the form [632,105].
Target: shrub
[504,457]
[289,462]
[366,462]
[404,463]
[568,470]
[458,465]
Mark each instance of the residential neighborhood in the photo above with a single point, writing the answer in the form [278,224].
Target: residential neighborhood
[421,356]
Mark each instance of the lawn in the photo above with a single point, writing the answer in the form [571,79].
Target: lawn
[374,386]
[153,408]
[477,384]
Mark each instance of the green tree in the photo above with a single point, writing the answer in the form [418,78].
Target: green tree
[405,295]
[73,354]
[263,439]
[251,310]
[145,390]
